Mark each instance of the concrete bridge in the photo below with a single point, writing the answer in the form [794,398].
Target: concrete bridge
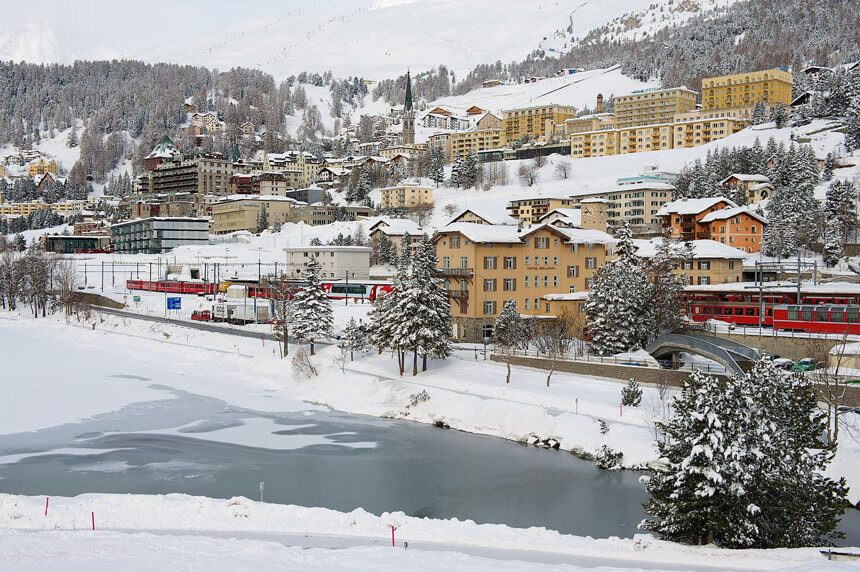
[736,358]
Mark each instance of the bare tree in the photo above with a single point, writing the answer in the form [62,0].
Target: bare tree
[281,293]
[65,282]
[11,279]
[528,175]
[562,169]
[553,338]
[830,387]
[539,161]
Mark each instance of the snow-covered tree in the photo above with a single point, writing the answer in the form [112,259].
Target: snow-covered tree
[262,219]
[668,284]
[458,177]
[437,165]
[745,465]
[840,215]
[779,114]
[353,339]
[311,309]
[276,223]
[620,308]
[510,333]
[759,113]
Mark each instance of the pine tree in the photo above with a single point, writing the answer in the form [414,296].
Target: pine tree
[20,243]
[276,223]
[669,285]
[457,172]
[620,308]
[759,113]
[385,319]
[353,338]
[510,332]
[437,165]
[311,311]
[827,172]
[262,219]
[852,125]
[745,465]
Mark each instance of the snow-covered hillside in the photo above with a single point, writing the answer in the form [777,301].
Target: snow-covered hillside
[350,37]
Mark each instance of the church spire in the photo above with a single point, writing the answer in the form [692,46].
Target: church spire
[407,106]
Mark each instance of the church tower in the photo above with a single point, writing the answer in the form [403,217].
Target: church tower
[408,114]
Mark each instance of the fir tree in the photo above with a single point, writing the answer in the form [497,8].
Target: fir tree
[745,465]
[827,172]
[759,113]
[276,223]
[458,177]
[353,338]
[669,285]
[20,243]
[437,165]
[262,220]
[620,308]
[311,310]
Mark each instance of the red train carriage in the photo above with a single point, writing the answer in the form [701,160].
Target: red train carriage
[821,318]
[172,286]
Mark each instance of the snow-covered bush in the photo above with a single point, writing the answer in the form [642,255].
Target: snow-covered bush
[631,394]
[608,459]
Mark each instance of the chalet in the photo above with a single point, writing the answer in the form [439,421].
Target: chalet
[756,187]
[683,215]
[484,217]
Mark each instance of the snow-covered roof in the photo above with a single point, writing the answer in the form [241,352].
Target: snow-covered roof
[571,216]
[746,178]
[568,296]
[165,149]
[484,232]
[395,226]
[577,235]
[701,249]
[692,206]
[851,288]
[230,198]
[501,218]
[325,248]
[732,212]
[760,186]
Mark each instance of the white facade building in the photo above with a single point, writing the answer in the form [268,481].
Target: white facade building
[336,261]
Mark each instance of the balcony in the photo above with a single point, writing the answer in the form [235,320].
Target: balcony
[459,294]
[456,271]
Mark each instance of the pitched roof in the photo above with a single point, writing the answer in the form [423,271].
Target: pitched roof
[692,206]
[731,212]
[571,216]
[484,232]
[747,178]
[701,249]
[490,217]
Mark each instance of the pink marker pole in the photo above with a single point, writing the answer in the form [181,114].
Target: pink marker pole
[392,537]
[46,505]
[621,410]
[94,520]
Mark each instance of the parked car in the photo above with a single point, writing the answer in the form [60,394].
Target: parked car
[783,363]
[806,364]
[770,357]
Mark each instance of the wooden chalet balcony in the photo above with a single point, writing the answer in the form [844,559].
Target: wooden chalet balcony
[458,294]
[456,271]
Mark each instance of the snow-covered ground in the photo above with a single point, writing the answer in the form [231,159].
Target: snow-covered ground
[465,392]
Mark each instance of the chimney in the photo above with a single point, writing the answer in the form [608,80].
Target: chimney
[599,103]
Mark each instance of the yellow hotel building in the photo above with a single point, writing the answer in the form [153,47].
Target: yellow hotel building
[536,122]
[485,265]
[649,107]
[406,196]
[742,91]
[464,142]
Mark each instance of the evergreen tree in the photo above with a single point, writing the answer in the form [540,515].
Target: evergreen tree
[779,114]
[312,312]
[620,308]
[759,113]
[353,339]
[437,165]
[669,285]
[852,125]
[745,465]
[458,177]
[276,223]
[385,319]
[510,332]
[827,172]
[20,243]
[262,220]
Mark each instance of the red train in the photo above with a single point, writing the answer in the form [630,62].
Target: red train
[829,308]
[172,286]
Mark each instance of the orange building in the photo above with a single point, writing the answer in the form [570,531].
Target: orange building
[739,227]
[683,215]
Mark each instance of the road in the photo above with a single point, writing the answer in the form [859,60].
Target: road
[205,326]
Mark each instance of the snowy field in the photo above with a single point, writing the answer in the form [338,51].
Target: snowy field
[465,393]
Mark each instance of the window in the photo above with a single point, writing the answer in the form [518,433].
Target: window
[555,280]
[852,315]
[573,271]
[489,285]
[572,289]
[510,284]
[704,265]
[546,260]
[590,262]
[446,262]
[731,264]
[555,260]
[573,248]
[527,281]
[806,313]
[546,281]
[541,242]
[547,307]
[464,262]
[704,280]
[489,263]
[589,283]
[821,314]
[527,304]
[489,307]
[487,331]
[527,260]
[688,265]
[455,242]
[510,262]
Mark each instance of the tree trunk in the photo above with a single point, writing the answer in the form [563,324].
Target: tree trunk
[508,378]
[415,363]
[312,347]
[424,363]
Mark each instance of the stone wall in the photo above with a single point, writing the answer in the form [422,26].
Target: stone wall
[788,346]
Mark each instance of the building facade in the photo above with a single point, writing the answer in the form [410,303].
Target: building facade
[405,196]
[242,213]
[534,122]
[653,106]
[741,92]
[338,262]
[158,235]
[528,211]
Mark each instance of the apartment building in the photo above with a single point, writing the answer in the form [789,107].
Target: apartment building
[405,196]
[464,142]
[528,211]
[241,212]
[258,184]
[442,141]
[40,167]
[485,265]
[740,92]
[716,219]
[653,106]
[337,262]
[24,209]
[756,187]
[410,151]
[694,129]
[712,262]
[158,234]
[638,202]
[657,137]
[535,122]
